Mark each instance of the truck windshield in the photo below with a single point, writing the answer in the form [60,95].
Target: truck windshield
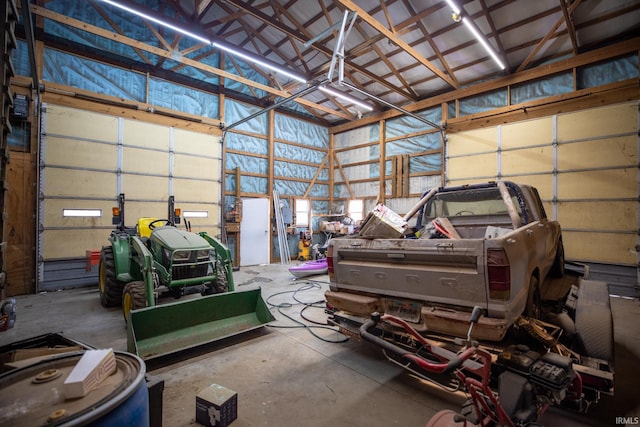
[476,201]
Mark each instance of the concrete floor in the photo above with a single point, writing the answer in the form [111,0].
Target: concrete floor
[287,376]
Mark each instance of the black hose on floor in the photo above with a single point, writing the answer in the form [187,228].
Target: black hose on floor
[308,285]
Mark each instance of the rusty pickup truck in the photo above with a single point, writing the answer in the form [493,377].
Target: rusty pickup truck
[488,245]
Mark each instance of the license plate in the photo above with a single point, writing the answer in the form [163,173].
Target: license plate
[406,310]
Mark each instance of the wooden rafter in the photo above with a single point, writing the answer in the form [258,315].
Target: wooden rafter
[546,38]
[404,45]
[40,11]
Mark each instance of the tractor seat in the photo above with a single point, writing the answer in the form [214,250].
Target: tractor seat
[143,226]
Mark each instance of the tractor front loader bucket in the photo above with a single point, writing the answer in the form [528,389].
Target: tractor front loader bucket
[169,328]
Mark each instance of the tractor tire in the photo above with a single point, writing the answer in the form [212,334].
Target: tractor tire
[221,284]
[557,269]
[110,287]
[594,322]
[133,297]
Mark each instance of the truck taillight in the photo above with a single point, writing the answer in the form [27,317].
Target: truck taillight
[330,261]
[499,274]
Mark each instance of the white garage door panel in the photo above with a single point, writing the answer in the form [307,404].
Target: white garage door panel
[90,157]
[598,184]
[527,134]
[475,141]
[195,167]
[141,134]
[473,166]
[54,207]
[188,190]
[86,125]
[196,143]
[542,182]
[612,120]
[594,189]
[80,153]
[526,161]
[618,215]
[145,161]
[143,187]
[58,244]
[611,248]
[77,183]
[611,152]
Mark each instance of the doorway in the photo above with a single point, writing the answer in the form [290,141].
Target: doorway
[254,232]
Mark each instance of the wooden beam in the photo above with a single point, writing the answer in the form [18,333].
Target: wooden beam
[391,36]
[40,11]
[609,52]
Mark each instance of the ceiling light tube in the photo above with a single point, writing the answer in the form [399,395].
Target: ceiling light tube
[483,41]
[346,97]
[218,44]
[455,9]
[257,60]
[158,21]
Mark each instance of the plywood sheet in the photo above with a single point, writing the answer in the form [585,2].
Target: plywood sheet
[599,153]
[80,153]
[196,167]
[528,133]
[611,248]
[611,120]
[148,209]
[527,160]
[149,162]
[475,141]
[78,183]
[610,215]
[614,183]
[141,134]
[185,141]
[81,124]
[473,166]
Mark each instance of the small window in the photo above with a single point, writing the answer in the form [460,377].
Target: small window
[195,214]
[303,212]
[356,210]
[81,212]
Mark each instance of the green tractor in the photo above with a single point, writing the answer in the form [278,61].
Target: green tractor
[156,259]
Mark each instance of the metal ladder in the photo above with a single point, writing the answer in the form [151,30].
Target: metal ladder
[285,256]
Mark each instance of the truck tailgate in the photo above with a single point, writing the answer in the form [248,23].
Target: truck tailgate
[447,271]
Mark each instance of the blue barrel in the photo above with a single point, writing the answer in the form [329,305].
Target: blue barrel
[34,395]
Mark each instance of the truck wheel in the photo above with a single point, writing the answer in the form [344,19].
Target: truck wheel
[557,269]
[133,297]
[110,287]
[594,322]
[533,299]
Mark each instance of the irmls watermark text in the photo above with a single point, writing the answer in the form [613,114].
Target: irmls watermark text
[627,420]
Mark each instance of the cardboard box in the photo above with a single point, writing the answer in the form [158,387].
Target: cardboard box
[383,223]
[216,406]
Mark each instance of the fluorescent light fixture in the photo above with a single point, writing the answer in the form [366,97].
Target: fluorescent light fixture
[219,45]
[195,214]
[482,41]
[158,21]
[346,97]
[455,9]
[258,61]
[82,212]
